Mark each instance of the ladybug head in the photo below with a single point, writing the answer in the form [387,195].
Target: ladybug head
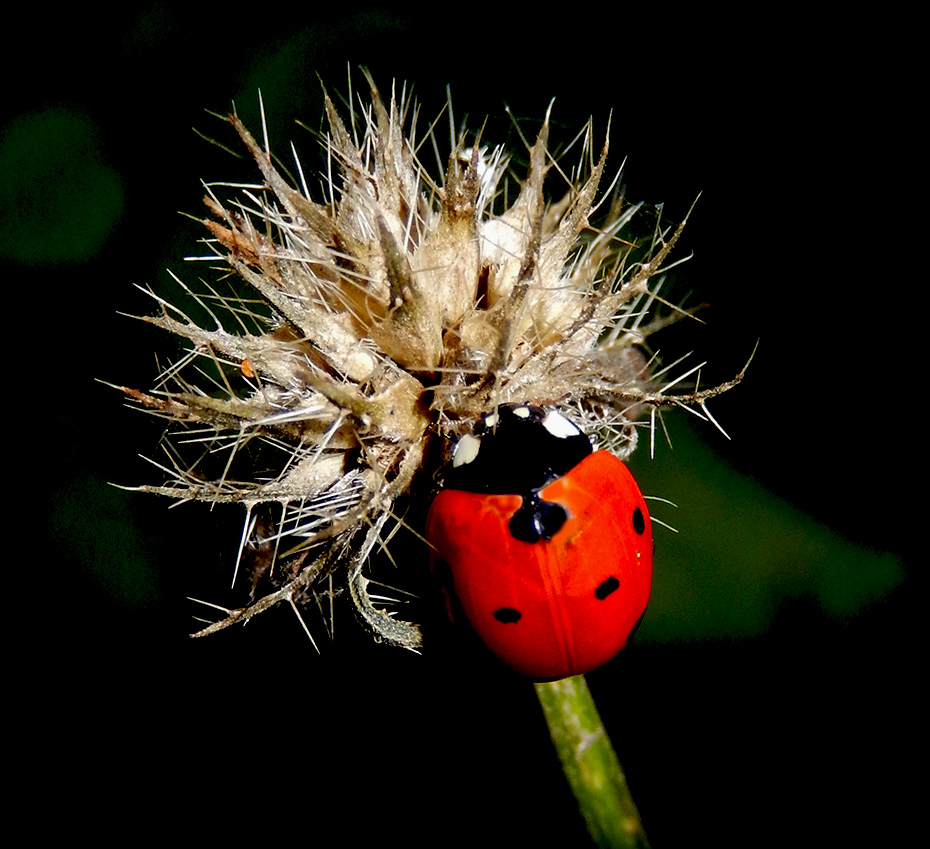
[516,449]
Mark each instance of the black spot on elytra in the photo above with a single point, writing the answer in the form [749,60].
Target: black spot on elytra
[606,587]
[537,519]
[507,615]
[639,521]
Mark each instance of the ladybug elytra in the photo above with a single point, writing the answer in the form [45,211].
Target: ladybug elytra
[545,545]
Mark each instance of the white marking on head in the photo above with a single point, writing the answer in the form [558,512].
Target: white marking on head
[522,412]
[491,419]
[466,450]
[560,426]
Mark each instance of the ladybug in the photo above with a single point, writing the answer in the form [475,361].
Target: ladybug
[544,544]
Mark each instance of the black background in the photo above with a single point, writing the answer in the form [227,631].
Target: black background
[795,733]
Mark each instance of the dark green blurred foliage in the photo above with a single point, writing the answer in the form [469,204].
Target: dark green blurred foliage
[59,199]
[741,553]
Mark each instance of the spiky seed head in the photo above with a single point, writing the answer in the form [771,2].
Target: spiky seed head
[368,329]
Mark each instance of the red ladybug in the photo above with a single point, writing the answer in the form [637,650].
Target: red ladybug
[543,544]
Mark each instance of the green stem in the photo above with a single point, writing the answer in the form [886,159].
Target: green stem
[590,764]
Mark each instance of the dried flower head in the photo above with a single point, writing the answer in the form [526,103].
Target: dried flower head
[353,338]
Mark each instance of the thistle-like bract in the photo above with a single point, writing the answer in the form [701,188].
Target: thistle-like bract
[365,331]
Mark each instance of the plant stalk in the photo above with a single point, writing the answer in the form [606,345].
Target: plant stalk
[590,764]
